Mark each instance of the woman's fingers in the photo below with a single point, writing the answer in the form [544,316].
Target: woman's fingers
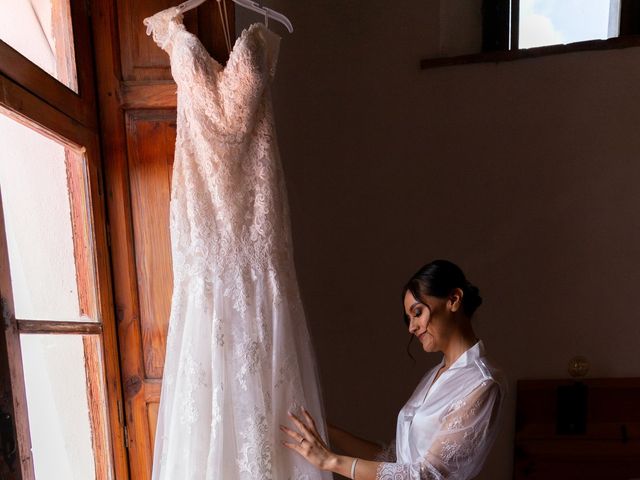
[295,447]
[309,430]
[307,441]
[314,428]
[309,418]
[295,435]
[306,431]
[298,446]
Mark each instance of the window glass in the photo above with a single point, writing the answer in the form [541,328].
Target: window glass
[58,405]
[47,235]
[41,31]
[552,22]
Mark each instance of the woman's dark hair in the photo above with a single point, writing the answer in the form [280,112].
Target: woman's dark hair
[438,279]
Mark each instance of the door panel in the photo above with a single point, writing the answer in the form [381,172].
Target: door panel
[151,139]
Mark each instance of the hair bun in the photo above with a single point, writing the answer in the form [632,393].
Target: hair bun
[438,279]
[471,299]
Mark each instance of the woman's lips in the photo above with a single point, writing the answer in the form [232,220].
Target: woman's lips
[421,335]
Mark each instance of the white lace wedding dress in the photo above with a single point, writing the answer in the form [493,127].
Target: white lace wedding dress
[238,349]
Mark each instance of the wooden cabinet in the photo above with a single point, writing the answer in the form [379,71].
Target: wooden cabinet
[578,430]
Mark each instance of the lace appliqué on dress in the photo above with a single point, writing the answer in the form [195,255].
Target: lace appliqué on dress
[248,356]
[255,452]
[195,378]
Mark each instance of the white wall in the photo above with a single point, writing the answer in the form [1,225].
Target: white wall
[524,173]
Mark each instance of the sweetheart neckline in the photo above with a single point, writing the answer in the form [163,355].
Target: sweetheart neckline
[178,18]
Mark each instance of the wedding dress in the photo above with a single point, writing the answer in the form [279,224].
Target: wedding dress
[238,352]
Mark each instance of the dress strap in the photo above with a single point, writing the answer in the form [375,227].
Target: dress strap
[163,25]
[272,46]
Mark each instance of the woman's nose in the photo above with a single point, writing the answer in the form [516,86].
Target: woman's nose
[412,326]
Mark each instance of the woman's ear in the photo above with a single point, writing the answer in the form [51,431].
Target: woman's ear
[455,299]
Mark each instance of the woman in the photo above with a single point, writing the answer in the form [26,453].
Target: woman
[447,427]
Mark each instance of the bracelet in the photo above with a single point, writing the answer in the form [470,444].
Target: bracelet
[353,468]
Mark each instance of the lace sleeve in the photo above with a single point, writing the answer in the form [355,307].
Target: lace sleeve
[459,449]
[388,452]
[162,25]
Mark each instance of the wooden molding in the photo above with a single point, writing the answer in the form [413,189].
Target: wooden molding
[629,41]
[60,328]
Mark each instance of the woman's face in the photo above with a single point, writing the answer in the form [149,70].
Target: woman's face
[430,320]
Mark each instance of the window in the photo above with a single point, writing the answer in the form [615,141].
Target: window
[52,301]
[505,30]
[61,411]
[42,32]
[522,24]
[545,22]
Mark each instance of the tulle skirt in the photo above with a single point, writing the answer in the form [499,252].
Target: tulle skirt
[236,363]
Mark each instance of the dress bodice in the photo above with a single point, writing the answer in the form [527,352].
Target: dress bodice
[228,199]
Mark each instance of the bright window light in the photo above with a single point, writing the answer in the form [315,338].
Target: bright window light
[553,22]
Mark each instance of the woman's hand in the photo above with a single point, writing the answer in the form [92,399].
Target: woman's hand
[308,443]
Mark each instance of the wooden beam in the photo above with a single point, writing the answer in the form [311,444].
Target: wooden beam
[60,328]
[528,53]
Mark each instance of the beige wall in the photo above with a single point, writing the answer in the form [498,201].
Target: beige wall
[523,173]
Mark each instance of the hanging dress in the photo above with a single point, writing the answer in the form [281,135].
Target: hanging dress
[238,352]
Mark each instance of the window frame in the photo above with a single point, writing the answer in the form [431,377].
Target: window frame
[34,98]
[500,22]
[81,106]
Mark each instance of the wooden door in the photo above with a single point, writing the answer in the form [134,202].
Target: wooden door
[137,98]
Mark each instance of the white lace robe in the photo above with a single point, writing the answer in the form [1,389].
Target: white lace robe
[238,349]
[447,428]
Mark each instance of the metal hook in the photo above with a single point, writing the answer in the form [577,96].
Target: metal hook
[265,10]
